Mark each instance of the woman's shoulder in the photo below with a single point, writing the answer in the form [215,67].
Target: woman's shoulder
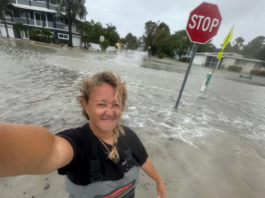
[129,133]
[72,134]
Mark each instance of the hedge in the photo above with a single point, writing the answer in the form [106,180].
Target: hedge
[257,72]
[235,68]
[161,55]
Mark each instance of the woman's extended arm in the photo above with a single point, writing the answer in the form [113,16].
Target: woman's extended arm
[28,150]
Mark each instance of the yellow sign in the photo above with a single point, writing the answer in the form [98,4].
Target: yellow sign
[228,38]
[118,45]
[220,55]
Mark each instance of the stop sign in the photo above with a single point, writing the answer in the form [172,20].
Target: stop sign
[204,22]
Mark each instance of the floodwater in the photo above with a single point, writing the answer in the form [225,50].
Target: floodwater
[39,85]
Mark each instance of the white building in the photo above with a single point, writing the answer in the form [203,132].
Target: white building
[37,14]
[229,59]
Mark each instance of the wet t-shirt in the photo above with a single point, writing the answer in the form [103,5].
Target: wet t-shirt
[78,170]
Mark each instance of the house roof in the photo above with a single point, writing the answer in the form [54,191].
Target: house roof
[36,8]
[240,58]
[247,59]
[216,53]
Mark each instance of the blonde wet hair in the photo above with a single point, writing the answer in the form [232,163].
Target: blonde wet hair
[89,83]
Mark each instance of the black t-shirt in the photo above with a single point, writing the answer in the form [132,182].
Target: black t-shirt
[78,170]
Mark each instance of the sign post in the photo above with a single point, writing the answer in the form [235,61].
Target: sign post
[203,24]
[101,38]
[226,41]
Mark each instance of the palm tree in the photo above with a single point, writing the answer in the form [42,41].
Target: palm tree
[97,29]
[110,27]
[86,30]
[6,7]
[239,41]
[47,34]
[73,8]
[20,27]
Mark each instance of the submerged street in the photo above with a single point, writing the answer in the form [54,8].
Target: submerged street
[212,146]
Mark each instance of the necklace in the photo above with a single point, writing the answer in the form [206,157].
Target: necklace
[103,144]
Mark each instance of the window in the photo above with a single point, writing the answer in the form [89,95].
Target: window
[60,20]
[53,2]
[31,15]
[63,36]
[241,62]
[23,14]
[50,17]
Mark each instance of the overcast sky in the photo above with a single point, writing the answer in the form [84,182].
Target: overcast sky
[248,16]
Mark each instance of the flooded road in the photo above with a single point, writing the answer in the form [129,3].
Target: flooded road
[39,85]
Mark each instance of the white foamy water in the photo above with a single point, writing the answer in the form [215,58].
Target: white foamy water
[39,85]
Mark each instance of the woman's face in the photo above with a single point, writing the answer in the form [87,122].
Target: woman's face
[103,110]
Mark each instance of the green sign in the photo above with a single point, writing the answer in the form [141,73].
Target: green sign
[208,78]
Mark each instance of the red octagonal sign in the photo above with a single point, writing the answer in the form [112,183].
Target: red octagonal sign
[204,22]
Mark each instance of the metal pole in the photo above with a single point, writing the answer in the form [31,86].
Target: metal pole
[195,46]
[213,71]
[216,66]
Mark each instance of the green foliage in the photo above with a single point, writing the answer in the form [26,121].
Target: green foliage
[20,27]
[155,33]
[178,42]
[92,30]
[87,30]
[235,68]
[131,41]
[161,55]
[113,38]
[46,33]
[34,34]
[73,8]
[105,44]
[207,47]
[43,35]
[57,42]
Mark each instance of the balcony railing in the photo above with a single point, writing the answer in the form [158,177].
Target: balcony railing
[20,20]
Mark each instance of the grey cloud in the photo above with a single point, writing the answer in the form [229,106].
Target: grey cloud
[130,15]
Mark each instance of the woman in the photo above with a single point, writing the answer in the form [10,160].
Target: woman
[100,159]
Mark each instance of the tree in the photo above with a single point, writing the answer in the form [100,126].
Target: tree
[34,34]
[105,45]
[129,40]
[47,34]
[73,9]
[207,47]
[111,34]
[239,41]
[6,7]
[261,54]
[179,42]
[110,27]
[86,30]
[20,27]
[113,38]
[253,48]
[97,31]
[150,28]
[154,34]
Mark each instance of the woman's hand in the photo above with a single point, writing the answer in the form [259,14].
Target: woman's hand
[161,190]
